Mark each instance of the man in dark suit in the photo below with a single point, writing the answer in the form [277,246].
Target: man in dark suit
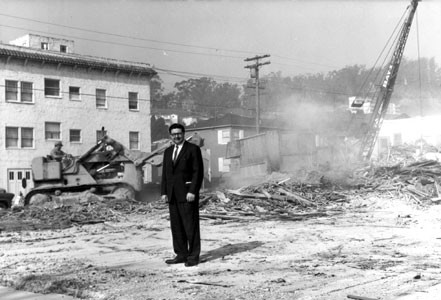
[182,175]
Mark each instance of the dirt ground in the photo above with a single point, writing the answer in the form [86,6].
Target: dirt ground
[373,248]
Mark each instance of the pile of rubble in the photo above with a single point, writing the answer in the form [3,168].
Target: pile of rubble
[406,154]
[67,211]
[274,198]
[418,181]
[285,199]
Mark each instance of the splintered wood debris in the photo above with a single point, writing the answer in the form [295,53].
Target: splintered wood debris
[284,199]
[59,216]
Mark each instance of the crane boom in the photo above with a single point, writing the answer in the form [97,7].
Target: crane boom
[386,89]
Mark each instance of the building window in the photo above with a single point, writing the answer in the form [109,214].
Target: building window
[224,164]
[27,137]
[52,131]
[52,87]
[44,46]
[26,91]
[383,144]
[100,134]
[63,48]
[11,91]
[75,135]
[101,98]
[74,93]
[223,136]
[11,137]
[398,139]
[134,140]
[17,137]
[133,101]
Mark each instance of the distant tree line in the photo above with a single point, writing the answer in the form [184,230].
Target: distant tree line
[417,89]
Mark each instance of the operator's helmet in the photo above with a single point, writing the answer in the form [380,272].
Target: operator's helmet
[59,143]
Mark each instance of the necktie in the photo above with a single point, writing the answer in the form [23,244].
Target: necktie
[175,154]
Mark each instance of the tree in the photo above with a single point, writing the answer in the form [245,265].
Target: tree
[157,93]
[204,95]
[159,130]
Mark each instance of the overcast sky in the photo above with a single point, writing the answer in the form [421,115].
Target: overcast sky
[212,38]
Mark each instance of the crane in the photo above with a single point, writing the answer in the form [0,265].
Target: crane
[387,86]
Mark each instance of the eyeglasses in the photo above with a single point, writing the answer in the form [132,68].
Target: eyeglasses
[176,134]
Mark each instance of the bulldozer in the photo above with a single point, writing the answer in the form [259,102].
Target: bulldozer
[106,168]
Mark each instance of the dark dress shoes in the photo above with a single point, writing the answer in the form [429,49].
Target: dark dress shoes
[176,260]
[191,263]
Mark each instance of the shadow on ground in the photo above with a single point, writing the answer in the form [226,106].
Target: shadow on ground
[229,249]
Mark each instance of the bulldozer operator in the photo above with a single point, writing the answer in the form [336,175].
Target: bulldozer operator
[56,152]
[59,155]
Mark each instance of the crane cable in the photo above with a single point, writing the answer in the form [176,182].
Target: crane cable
[419,83]
[393,36]
[400,21]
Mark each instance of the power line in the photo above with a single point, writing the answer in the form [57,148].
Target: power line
[195,75]
[127,36]
[67,93]
[156,41]
[300,61]
[122,44]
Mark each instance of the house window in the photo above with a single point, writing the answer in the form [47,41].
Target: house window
[134,140]
[224,164]
[101,98]
[63,48]
[52,131]
[133,101]
[237,134]
[75,135]
[44,46]
[17,137]
[223,136]
[11,91]
[52,87]
[74,93]
[100,134]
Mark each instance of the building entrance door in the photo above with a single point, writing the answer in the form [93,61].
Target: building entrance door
[16,178]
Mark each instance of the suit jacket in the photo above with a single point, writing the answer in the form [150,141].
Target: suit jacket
[185,175]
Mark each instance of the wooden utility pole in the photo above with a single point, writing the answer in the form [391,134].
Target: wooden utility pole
[254,71]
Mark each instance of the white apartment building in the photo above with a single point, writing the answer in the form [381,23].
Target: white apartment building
[49,94]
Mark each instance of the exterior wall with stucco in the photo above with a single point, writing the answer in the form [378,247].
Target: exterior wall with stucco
[81,114]
[35,40]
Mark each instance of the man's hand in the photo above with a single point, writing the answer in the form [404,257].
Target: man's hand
[164,198]
[190,197]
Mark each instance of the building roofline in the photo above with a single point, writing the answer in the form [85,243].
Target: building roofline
[229,125]
[12,51]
